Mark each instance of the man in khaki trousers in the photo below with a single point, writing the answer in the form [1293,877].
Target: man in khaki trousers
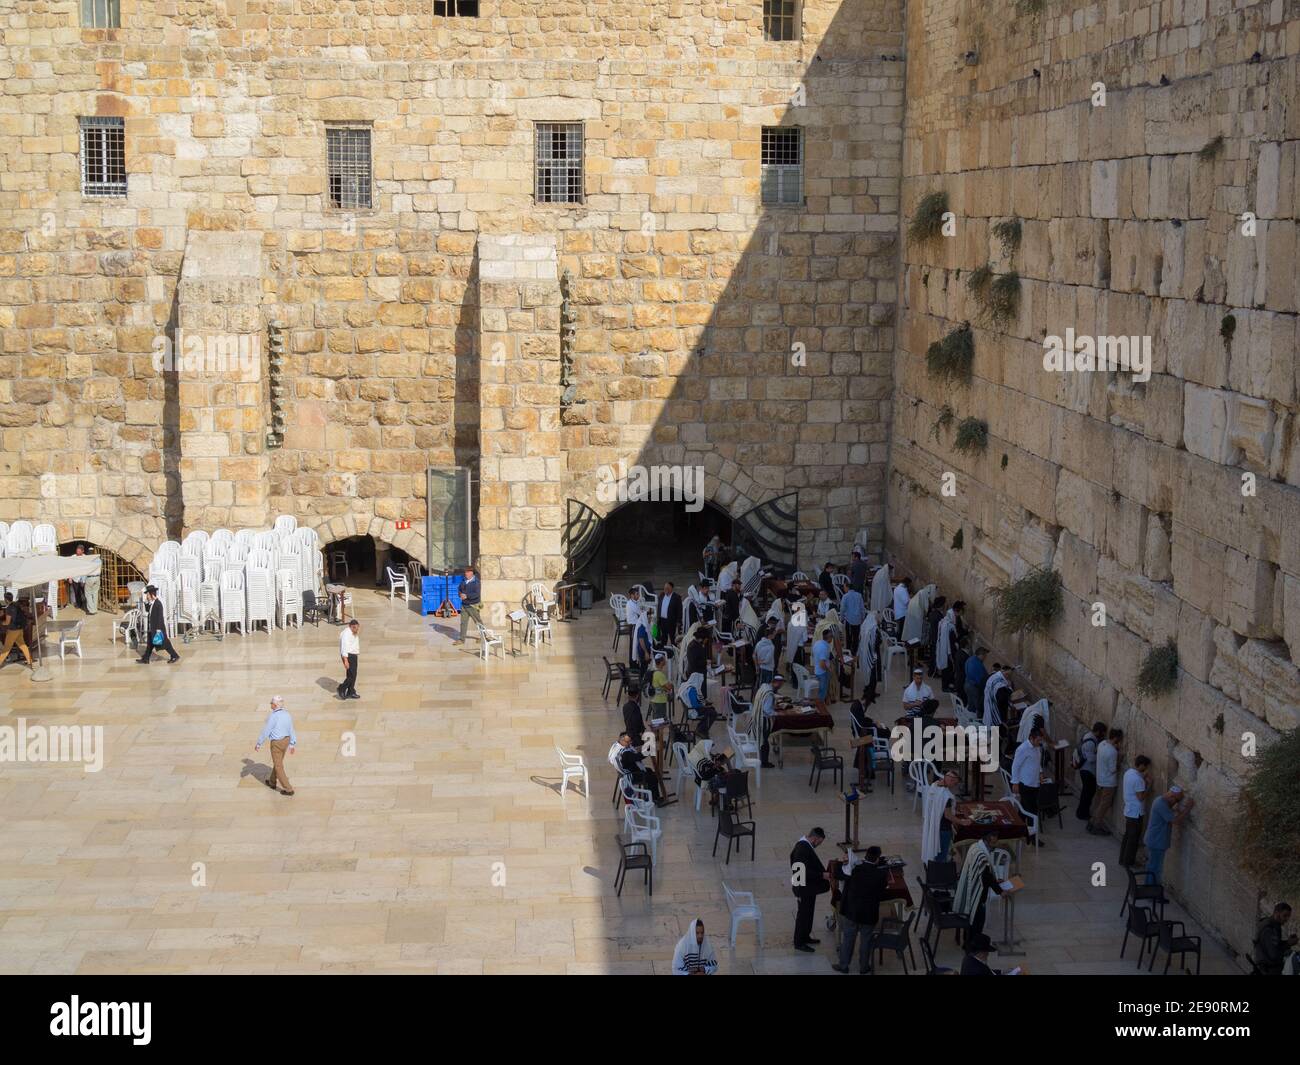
[279,730]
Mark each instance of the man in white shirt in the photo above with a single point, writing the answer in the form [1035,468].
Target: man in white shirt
[349,651]
[917,694]
[1108,752]
[902,596]
[1027,773]
[765,658]
[634,615]
[1137,783]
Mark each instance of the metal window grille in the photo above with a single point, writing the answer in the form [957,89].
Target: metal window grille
[452,8]
[781,20]
[348,152]
[103,157]
[782,165]
[101,14]
[559,162]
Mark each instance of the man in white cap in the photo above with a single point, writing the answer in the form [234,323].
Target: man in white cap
[279,730]
[1168,810]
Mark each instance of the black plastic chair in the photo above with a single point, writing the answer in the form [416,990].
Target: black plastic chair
[635,856]
[942,917]
[1143,887]
[311,610]
[900,942]
[825,758]
[621,629]
[611,675]
[1176,942]
[737,786]
[734,831]
[941,876]
[927,956]
[1143,923]
[1049,804]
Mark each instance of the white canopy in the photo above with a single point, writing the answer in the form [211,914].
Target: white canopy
[26,571]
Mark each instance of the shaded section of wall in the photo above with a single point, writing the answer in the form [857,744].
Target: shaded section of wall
[1131,490]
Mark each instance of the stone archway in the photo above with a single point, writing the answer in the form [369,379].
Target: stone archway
[106,536]
[343,526]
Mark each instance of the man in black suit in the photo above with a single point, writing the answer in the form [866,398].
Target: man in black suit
[633,721]
[632,762]
[860,909]
[156,624]
[976,962]
[670,614]
[808,879]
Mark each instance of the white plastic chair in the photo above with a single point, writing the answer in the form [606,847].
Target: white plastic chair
[798,575]
[745,759]
[398,579]
[288,597]
[685,774]
[337,559]
[742,907]
[19,540]
[543,602]
[70,638]
[285,523]
[644,828]
[1030,819]
[489,639]
[539,627]
[233,608]
[573,768]
[807,684]
[840,582]
[892,649]
[43,539]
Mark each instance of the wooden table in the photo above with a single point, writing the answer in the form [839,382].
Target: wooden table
[1009,824]
[566,598]
[798,724]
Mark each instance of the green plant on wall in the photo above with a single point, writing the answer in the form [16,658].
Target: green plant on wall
[1008,235]
[943,422]
[1031,604]
[1030,7]
[958,539]
[977,284]
[1268,821]
[1003,299]
[1159,672]
[972,436]
[927,222]
[1227,330]
[953,357]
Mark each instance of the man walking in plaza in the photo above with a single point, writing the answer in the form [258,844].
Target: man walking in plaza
[471,591]
[350,652]
[279,730]
[15,625]
[156,629]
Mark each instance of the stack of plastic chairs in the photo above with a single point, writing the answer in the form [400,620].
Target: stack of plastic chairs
[246,538]
[312,562]
[168,584]
[4,538]
[270,543]
[194,543]
[236,557]
[285,524]
[18,541]
[222,536]
[43,539]
[233,607]
[259,596]
[288,597]
[209,603]
[188,610]
[214,562]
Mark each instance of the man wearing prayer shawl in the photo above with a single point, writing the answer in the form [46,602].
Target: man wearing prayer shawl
[945,647]
[869,651]
[993,709]
[882,594]
[976,881]
[695,955]
[914,626]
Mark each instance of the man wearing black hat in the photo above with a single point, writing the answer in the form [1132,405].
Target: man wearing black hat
[976,962]
[157,629]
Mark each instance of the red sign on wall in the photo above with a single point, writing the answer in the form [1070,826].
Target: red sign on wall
[403,524]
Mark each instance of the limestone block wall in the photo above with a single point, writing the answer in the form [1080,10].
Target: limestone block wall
[1131,226]
[690,296]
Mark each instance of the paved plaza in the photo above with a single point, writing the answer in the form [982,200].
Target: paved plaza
[442,844]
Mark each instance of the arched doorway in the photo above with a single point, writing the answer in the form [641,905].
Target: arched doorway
[116,573]
[657,541]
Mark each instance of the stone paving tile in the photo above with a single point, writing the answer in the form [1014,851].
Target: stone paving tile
[384,861]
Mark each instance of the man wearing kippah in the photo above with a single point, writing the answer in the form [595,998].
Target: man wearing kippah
[1168,810]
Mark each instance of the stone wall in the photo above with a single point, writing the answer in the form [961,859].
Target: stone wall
[690,297]
[1133,492]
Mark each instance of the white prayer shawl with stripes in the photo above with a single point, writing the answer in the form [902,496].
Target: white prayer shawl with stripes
[971,892]
[943,641]
[867,645]
[882,593]
[935,801]
[1040,709]
[995,684]
[914,626]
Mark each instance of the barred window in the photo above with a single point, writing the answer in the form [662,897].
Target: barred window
[348,158]
[451,8]
[782,165]
[101,14]
[559,162]
[103,157]
[781,20]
